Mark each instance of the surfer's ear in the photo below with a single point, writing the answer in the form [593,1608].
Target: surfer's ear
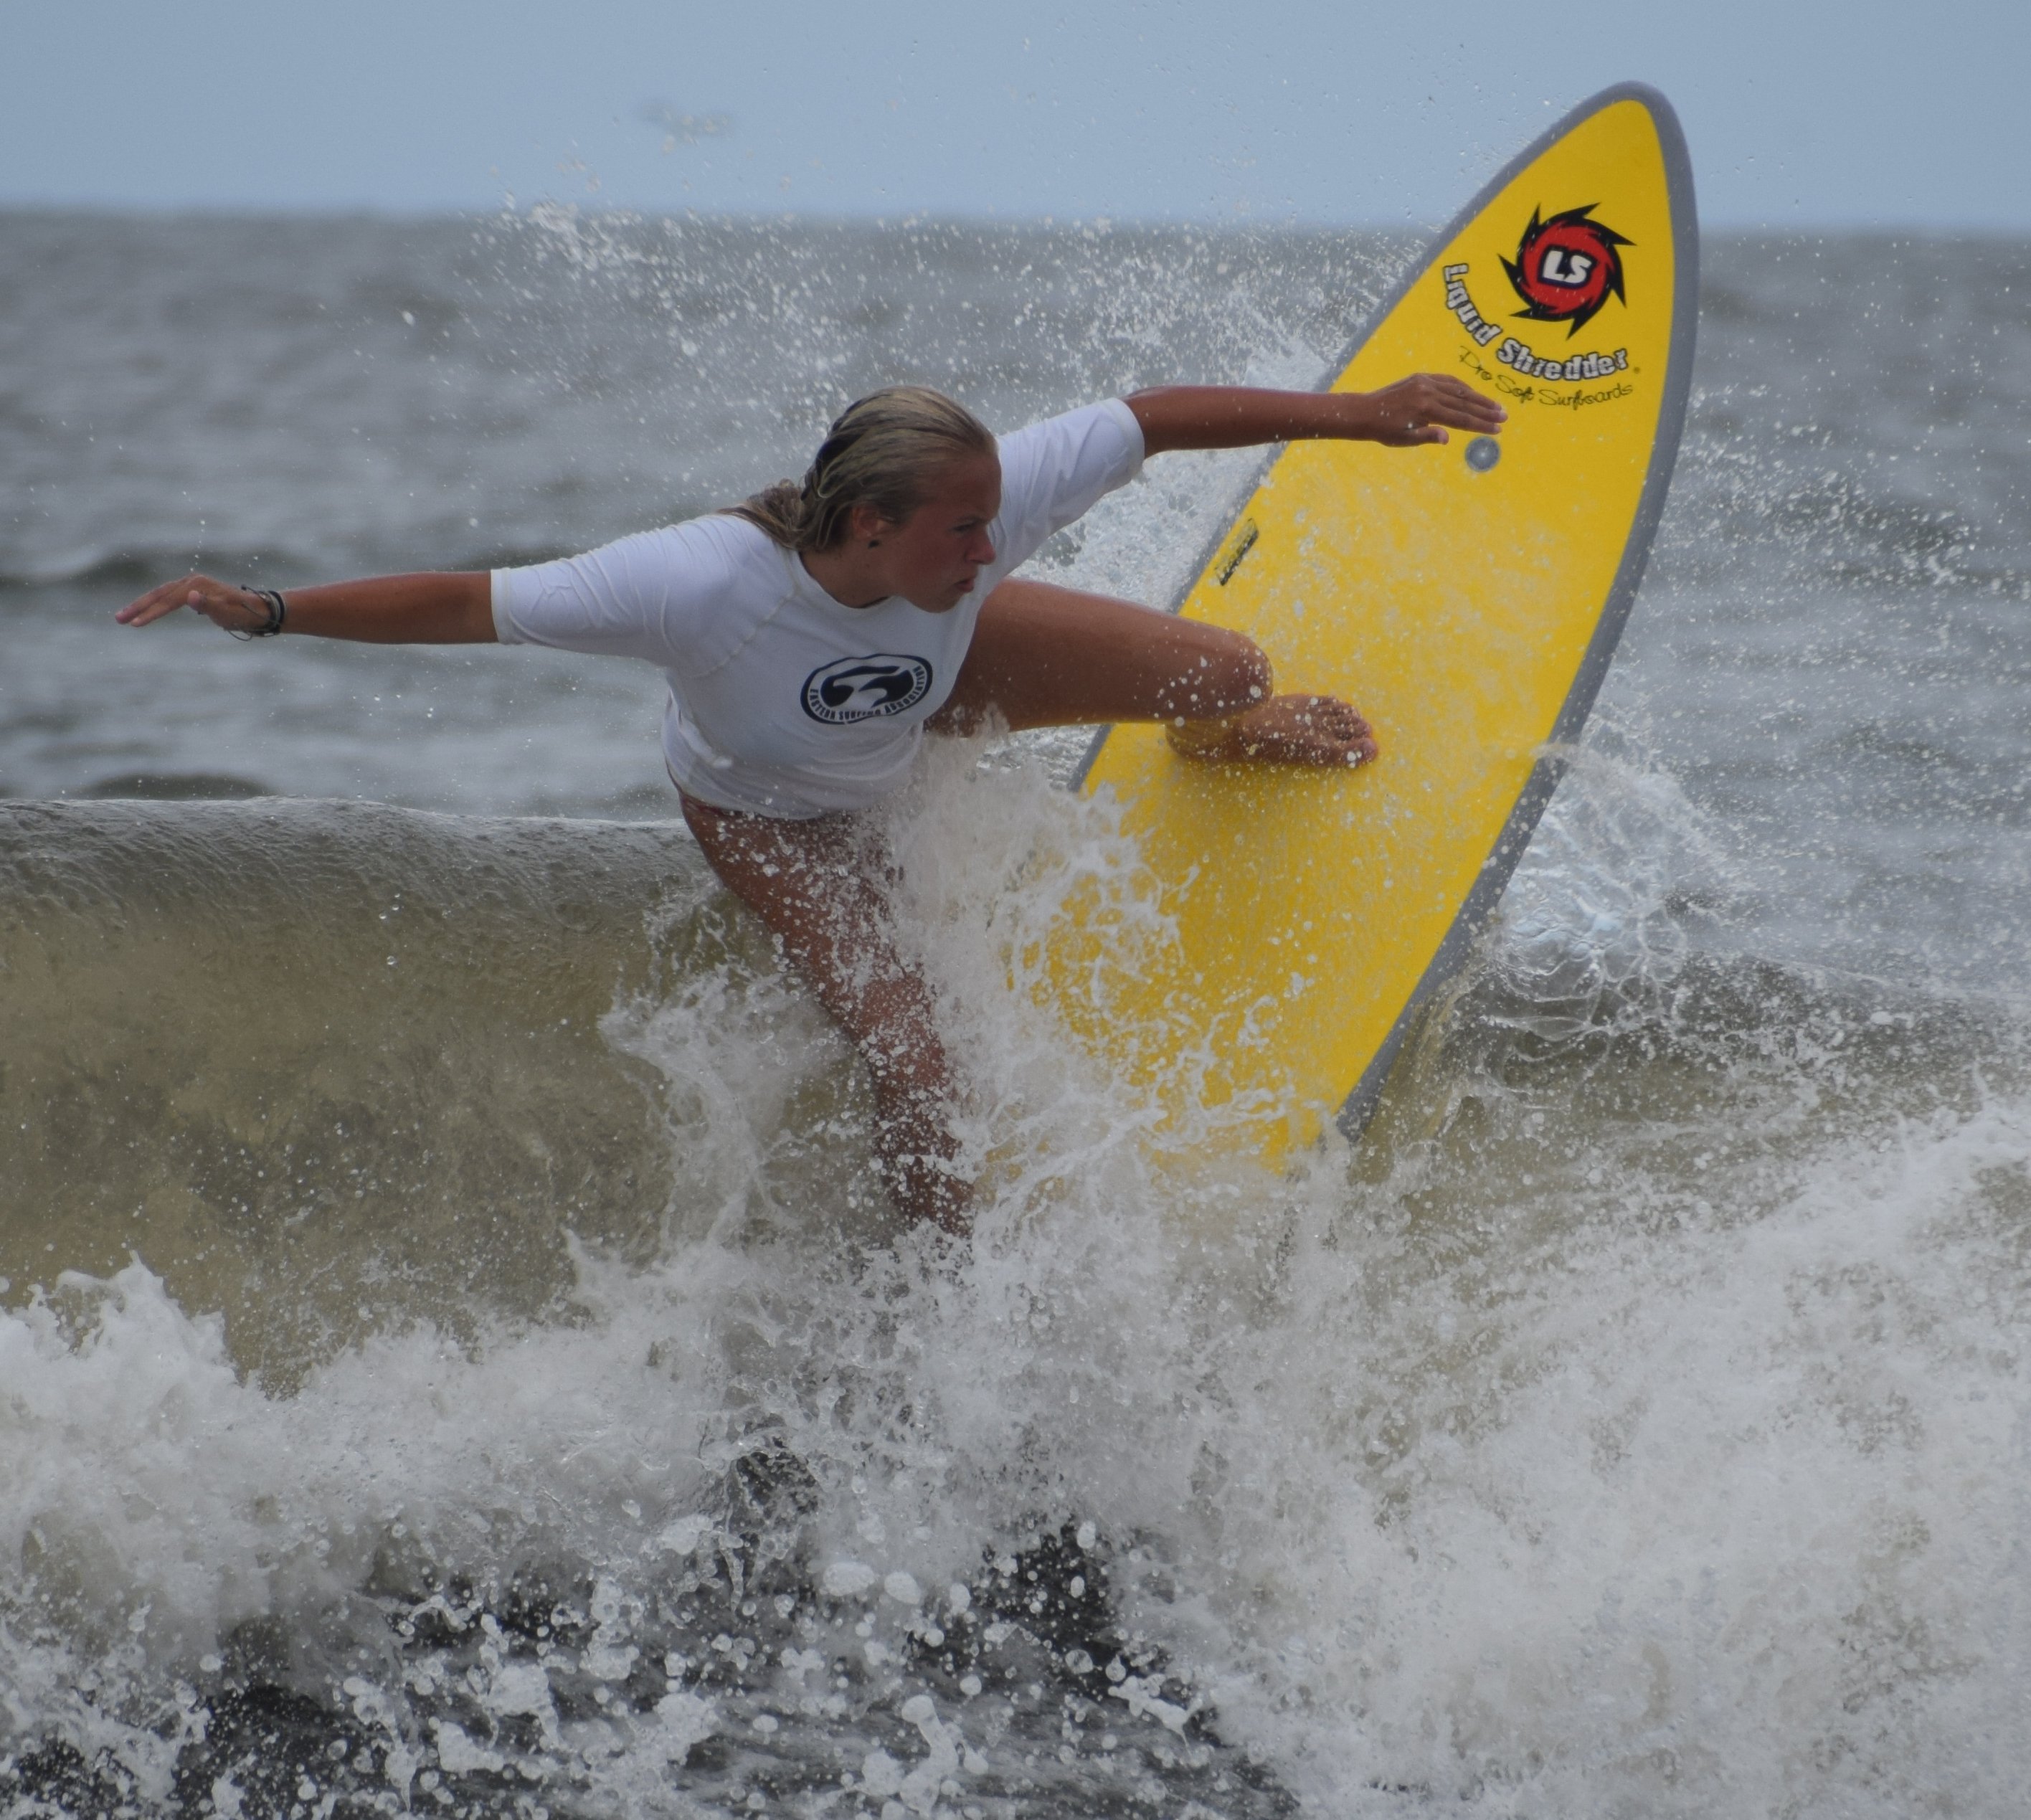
[866,526]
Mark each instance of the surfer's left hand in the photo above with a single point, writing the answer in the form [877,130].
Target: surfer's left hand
[1421,408]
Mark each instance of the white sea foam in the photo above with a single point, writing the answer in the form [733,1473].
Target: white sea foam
[1538,1468]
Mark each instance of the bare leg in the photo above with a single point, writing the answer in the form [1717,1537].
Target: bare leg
[814,884]
[1044,656]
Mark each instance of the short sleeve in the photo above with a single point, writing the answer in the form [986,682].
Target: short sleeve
[649,596]
[1053,472]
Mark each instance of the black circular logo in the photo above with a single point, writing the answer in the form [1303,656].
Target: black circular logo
[865,688]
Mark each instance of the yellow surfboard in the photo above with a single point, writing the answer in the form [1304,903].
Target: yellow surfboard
[1467,598]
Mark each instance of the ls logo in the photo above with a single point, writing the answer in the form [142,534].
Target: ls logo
[865,688]
[1566,267]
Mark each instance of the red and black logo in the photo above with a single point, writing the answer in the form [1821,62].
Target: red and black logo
[1566,268]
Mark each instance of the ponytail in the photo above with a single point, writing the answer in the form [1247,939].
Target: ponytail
[885,451]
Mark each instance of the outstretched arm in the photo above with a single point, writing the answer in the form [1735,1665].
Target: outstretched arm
[453,608]
[1419,409]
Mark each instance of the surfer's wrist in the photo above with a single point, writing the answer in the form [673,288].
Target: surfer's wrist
[271,611]
[1373,416]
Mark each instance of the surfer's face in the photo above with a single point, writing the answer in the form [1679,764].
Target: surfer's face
[934,557]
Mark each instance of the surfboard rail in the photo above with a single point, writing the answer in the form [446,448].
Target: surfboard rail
[1480,903]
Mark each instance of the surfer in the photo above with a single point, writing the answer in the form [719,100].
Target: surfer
[812,635]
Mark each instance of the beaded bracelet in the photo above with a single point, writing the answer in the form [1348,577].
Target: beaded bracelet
[278,610]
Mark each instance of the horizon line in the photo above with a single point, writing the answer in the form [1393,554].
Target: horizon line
[516,210]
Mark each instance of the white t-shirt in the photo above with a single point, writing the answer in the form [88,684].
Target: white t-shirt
[785,701]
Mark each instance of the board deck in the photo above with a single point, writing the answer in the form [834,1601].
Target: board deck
[1467,598]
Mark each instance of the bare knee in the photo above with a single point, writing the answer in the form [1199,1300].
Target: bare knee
[1224,674]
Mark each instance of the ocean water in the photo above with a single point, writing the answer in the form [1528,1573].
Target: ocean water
[455,1357]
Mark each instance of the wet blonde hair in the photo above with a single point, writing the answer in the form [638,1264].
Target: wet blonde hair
[884,450]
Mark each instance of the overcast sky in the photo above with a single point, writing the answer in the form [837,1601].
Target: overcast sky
[1337,111]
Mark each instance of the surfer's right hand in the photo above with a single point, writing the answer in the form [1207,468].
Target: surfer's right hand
[230,609]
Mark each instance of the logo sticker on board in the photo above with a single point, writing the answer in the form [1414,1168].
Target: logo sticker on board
[1568,267]
[865,688]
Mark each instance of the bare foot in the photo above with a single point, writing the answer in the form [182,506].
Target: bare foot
[1317,730]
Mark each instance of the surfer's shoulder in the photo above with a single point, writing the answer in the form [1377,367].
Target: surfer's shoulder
[714,553]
